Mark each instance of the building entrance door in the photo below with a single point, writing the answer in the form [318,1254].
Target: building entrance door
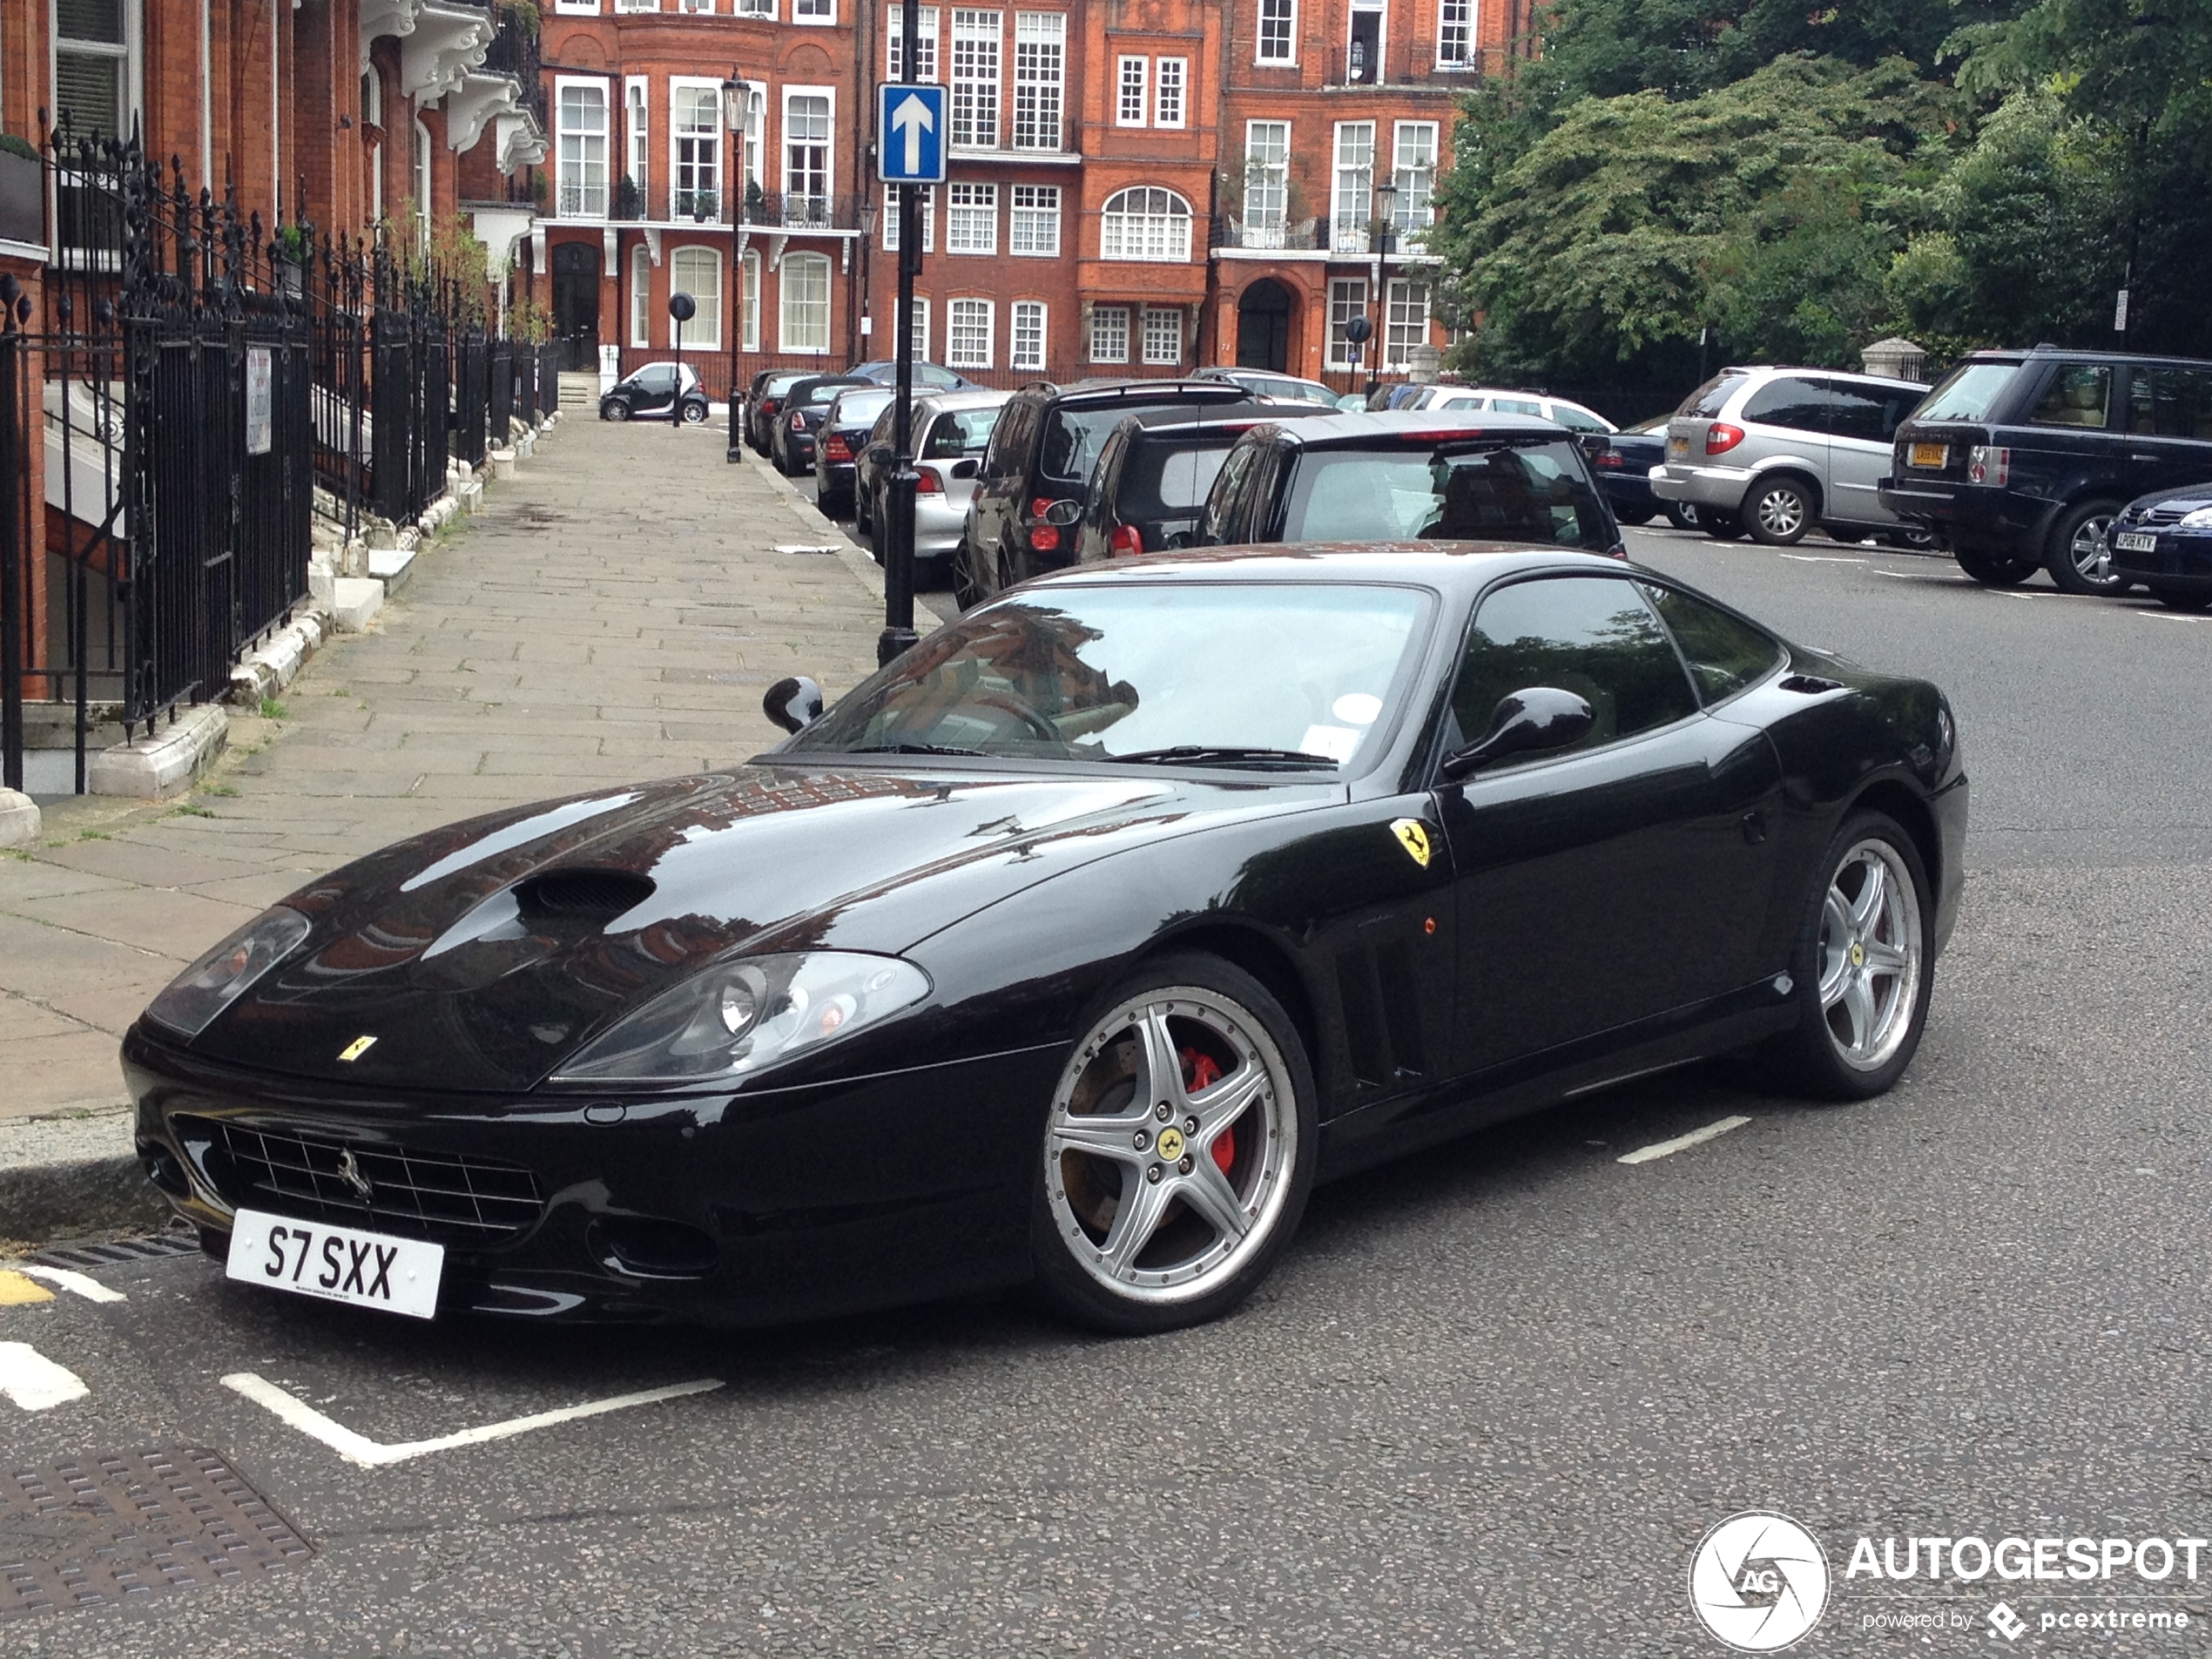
[1264,327]
[576,303]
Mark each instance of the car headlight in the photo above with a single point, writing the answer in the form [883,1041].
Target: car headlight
[220,978]
[2199,520]
[748,1013]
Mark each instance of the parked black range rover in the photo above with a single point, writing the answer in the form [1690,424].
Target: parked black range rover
[2021,459]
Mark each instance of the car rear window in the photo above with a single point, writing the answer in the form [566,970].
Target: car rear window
[961,432]
[858,408]
[823,394]
[1166,477]
[1967,393]
[1705,403]
[1454,489]
[1577,419]
[1074,436]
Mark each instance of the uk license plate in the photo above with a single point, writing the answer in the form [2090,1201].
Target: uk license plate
[2135,542]
[365,1270]
[1931,455]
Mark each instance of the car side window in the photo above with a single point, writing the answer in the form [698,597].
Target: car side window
[1858,412]
[1592,636]
[2079,394]
[1725,655]
[1800,405]
[1220,522]
[1576,420]
[2170,403]
[1007,453]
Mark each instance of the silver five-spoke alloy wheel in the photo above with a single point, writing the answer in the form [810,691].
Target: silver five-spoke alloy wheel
[1869,955]
[2091,550]
[1169,1151]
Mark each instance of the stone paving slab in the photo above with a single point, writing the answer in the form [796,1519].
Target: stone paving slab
[614,613]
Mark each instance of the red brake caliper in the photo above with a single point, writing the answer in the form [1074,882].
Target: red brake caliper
[1198,1071]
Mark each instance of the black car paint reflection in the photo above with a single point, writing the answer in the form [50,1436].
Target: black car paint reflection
[1575,921]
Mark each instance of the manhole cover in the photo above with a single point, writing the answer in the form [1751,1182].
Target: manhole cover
[91,1531]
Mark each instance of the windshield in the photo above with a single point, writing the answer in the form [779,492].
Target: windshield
[859,408]
[1967,393]
[1293,677]
[1462,491]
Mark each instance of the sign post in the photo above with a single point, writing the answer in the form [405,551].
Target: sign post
[682,308]
[910,153]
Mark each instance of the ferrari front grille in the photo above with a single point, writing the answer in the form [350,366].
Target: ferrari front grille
[376,1185]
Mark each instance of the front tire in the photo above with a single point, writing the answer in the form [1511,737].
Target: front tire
[2079,556]
[1862,967]
[1681,514]
[1994,569]
[1177,1151]
[614,411]
[966,594]
[1778,511]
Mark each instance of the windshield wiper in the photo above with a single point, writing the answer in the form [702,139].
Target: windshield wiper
[910,749]
[1204,754]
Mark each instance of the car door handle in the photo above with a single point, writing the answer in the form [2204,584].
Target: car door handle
[2152,459]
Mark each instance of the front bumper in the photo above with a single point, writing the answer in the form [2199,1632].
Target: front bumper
[2182,561]
[792,1204]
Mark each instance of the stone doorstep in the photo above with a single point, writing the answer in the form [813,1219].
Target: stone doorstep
[391,566]
[275,665]
[19,819]
[166,763]
[355,600]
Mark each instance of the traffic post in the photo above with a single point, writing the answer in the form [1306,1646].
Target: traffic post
[909,153]
[681,308]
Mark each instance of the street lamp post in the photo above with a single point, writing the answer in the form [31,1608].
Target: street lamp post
[736,104]
[1379,235]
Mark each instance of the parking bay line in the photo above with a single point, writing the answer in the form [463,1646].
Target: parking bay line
[1682,1142]
[373,1455]
[33,1381]
[76,1284]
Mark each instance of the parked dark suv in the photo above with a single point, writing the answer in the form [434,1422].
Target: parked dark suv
[1411,475]
[2021,459]
[1036,473]
[1153,475]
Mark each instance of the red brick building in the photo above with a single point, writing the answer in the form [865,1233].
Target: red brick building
[1135,186]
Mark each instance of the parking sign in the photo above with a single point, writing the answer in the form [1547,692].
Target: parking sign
[910,134]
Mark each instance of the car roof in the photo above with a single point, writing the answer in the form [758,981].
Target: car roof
[1347,429]
[1104,391]
[1177,417]
[2025,354]
[1458,568]
[974,397]
[1748,369]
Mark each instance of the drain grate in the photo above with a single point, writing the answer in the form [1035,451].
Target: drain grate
[91,1532]
[111,1252]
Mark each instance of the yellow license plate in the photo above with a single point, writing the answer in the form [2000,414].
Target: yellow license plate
[1930,455]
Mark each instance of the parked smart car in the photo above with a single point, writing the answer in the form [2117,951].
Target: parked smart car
[766,402]
[806,404]
[1422,474]
[651,393]
[2164,541]
[2021,459]
[1272,387]
[1038,467]
[843,435]
[951,431]
[1779,451]
[1154,472]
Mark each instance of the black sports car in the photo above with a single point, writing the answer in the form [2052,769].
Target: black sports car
[1073,946]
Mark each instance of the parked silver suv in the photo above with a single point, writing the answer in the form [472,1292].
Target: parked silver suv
[1777,451]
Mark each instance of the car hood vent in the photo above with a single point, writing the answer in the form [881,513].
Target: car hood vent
[573,896]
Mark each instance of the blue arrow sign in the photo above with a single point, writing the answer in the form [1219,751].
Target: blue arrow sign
[910,134]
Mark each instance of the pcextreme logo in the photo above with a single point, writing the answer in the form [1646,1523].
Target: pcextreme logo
[1759,1581]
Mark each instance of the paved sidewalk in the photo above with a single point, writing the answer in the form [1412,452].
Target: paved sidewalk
[615,613]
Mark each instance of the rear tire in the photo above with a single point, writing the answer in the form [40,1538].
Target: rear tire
[2174,599]
[965,593]
[1636,520]
[2079,554]
[1995,570]
[1778,511]
[1721,526]
[1862,967]
[1681,514]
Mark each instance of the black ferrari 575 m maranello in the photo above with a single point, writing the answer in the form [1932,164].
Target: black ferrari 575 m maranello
[1073,948]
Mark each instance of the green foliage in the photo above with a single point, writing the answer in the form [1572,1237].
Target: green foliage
[273,710]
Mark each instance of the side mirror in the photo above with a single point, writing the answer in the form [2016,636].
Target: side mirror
[794,704]
[880,455]
[1527,722]
[966,469]
[1063,512]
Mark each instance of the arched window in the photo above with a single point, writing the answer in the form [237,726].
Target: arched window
[697,272]
[803,282]
[1146,222]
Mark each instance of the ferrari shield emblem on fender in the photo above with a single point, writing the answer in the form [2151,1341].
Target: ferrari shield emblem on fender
[361,1046]
[1413,835]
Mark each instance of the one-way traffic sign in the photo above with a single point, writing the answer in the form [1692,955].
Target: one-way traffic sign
[910,134]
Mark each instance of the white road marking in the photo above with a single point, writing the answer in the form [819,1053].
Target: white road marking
[35,1382]
[1927,576]
[1682,1142]
[2172,616]
[76,1284]
[1823,559]
[371,1455]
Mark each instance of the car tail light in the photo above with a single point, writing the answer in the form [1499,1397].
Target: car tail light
[835,449]
[799,420]
[1721,437]
[1044,538]
[1126,539]
[1609,458]
[1040,505]
[770,405]
[1988,465]
[1446,435]
[926,482]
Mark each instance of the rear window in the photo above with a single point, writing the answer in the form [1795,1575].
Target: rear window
[1705,403]
[961,432]
[1967,393]
[1073,438]
[1577,419]
[856,407]
[1169,478]
[1457,491]
[825,394]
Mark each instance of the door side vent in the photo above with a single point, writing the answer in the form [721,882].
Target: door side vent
[1365,1043]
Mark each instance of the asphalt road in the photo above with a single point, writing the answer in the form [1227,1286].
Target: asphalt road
[1491,1400]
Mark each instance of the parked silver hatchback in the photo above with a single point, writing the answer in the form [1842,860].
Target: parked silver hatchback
[1777,451]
